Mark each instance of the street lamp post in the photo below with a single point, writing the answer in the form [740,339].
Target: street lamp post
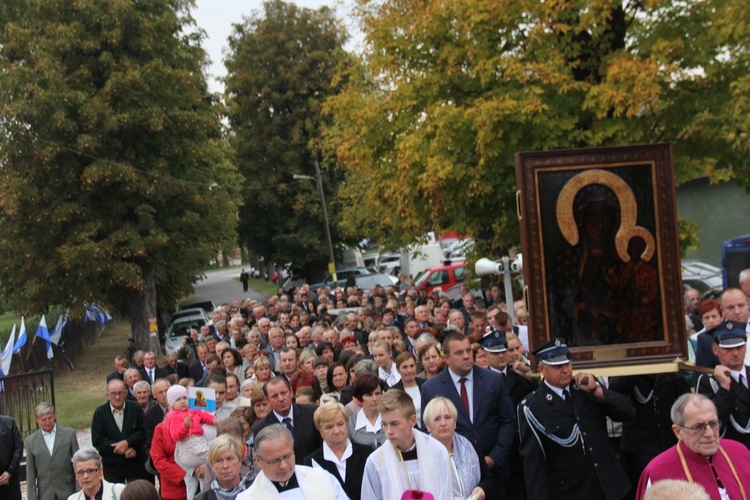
[319,182]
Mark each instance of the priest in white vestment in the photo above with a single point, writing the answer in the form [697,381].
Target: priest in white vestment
[280,478]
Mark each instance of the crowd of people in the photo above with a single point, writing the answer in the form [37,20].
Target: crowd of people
[401,395]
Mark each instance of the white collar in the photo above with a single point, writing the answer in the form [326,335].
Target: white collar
[51,433]
[329,455]
[736,375]
[557,390]
[290,416]
[456,378]
[363,422]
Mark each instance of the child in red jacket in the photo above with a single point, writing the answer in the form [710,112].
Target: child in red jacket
[184,426]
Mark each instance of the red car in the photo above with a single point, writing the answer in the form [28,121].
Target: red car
[443,277]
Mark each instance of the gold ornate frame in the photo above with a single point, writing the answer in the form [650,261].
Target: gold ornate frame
[615,305]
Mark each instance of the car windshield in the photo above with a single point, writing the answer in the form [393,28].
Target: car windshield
[181,328]
[421,278]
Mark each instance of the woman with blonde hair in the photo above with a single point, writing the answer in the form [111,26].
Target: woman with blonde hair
[471,476]
[332,421]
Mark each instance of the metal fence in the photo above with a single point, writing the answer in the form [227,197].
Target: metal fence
[22,392]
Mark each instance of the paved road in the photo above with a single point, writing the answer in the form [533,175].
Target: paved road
[221,287]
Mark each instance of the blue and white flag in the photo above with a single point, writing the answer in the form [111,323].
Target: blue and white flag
[7,354]
[57,332]
[87,314]
[43,333]
[21,338]
[97,314]
[106,318]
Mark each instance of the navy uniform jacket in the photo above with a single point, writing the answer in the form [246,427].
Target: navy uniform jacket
[494,424]
[568,462]
[733,406]
[650,433]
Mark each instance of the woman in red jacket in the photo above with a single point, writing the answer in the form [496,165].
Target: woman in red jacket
[171,475]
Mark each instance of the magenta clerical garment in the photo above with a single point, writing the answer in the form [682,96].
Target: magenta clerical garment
[730,463]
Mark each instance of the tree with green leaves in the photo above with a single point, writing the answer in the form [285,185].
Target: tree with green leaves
[447,92]
[281,67]
[114,170]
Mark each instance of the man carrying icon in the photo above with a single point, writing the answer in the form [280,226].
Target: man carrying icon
[563,432]
[727,387]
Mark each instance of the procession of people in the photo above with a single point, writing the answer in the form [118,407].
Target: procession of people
[384,420]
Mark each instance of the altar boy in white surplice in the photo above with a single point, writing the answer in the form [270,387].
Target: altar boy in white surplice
[410,464]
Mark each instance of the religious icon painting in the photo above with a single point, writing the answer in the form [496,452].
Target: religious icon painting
[601,252]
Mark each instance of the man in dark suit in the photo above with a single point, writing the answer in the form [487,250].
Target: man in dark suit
[297,418]
[121,364]
[728,386]
[182,370]
[49,471]
[11,451]
[117,434]
[563,427]
[155,415]
[485,412]
[198,369]
[150,372]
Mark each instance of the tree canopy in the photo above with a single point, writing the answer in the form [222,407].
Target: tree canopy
[114,172]
[281,67]
[447,92]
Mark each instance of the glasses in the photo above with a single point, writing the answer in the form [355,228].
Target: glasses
[85,472]
[701,428]
[120,394]
[276,461]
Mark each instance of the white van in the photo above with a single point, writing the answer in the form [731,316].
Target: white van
[416,259]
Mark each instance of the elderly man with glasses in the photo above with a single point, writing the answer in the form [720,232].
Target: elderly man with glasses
[700,456]
[280,477]
[118,435]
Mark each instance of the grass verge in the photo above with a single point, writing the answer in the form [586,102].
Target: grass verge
[79,392]
[262,286]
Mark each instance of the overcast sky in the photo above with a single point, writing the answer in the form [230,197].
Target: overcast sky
[216,18]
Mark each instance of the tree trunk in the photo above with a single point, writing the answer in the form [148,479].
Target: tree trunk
[269,271]
[141,306]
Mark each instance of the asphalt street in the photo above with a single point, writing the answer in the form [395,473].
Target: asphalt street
[221,287]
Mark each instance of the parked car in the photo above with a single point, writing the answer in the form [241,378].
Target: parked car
[179,329]
[184,313]
[342,275]
[704,277]
[202,302]
[387,260]
[366,281]
[444,276]
[475,287]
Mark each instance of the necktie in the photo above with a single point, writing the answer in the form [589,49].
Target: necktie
[151,375]
[465,395]
[288,423]
[568,397]
[505,377]
[742,380]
